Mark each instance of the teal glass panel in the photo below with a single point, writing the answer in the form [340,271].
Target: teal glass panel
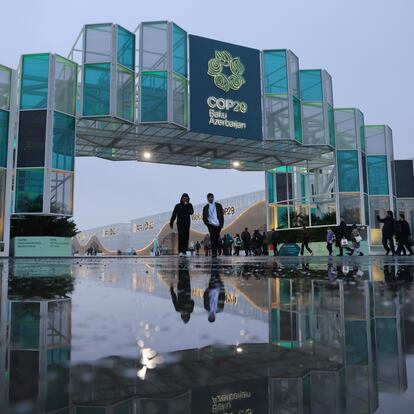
[364,173]
[282,217]
[125,93]
[5,84]
[348,171]
[275,72]
[4,134]
[366,204]
[356,342]
[34,81]
[63,141]
[25,325]
[179,51]
[311,85]
[126,48]
[29,190]
[66,73]
[2,199]
[154,96]
[96,89]
[297,119]
[180,100]
[271,187]
[303,186]
[377,175]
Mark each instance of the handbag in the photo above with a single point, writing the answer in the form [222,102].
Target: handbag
[344,242]
[358,239]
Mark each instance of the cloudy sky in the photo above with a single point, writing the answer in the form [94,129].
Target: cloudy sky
[365,45]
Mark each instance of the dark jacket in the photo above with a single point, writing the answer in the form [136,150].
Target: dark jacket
[182,300]
[403,229]
[341,232]
[246,237]
[305,236]
[389,225]
[220,214]
[182,212]
[275,237]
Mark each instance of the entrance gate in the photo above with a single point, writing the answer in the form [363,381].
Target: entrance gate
[161,95]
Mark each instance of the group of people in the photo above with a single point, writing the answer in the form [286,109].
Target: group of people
[213,218]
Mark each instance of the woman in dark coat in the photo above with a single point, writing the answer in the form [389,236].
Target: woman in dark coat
[182,212]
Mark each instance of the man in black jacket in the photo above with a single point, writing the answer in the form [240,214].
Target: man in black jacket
[182,212]
[342,233]
[388,231]
[246,239]
[213,218]
[403,235]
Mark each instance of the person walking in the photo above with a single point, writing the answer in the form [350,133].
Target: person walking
[356,241]
[330,238]
[388,231]
[305,241]
[229,242]
[403,236]
[237,244]
[256,243]
[246,239]
[342,238]
[265,244]
[275,241]
[213,218]
[182,212]
[197,247]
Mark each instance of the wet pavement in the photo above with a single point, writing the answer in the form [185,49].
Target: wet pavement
[236,335]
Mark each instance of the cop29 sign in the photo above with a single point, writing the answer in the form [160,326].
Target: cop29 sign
[225,97]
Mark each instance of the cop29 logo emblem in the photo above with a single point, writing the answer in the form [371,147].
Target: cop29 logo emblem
[227,71]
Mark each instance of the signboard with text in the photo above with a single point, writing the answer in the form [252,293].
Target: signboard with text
[225,89]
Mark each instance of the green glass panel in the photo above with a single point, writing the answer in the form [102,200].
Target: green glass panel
[66,73]
[125,93]
[271,187]
[154,96]
[356,342]
[348,172]
[282,217]
[311,85]
[63,151]
[96,89]
[275,72]
[34,81]
[4,134]
[5,84]
[180,100]
[377,175]
[303,186]
[126,48]
[29,190]
[179,51]
[297,119]
[331,125]
[24,325]
[360,123]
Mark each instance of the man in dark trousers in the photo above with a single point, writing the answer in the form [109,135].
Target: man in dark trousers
[182,212]
[403,235]
[274,236]
[342,233]
[305,241]
[246,239]
[388,231]
[213,218]
[182,300]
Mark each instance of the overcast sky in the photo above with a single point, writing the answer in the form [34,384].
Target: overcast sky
[367,47]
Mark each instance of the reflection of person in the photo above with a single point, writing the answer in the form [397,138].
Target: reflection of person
[213,218]
[388,230]
[182,300]
[182,212]
[156,247]
[214,295]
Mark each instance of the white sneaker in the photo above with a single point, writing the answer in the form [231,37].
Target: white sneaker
[181,254]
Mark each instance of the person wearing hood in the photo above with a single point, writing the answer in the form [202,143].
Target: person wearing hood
[182,212]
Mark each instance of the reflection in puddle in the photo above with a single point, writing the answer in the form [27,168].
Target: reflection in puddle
[191,336]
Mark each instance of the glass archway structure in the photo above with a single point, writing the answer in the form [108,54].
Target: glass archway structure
[159,94]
